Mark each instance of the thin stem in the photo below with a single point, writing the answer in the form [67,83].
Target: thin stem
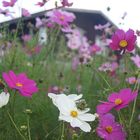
[103,79]
[28,124]
[11,119]
[62,134]
[134,105]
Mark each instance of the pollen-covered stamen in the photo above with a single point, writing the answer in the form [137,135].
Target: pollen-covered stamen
[19,84]
[74,113]
[109,129]
[62,18]
[123,43]
[118,101]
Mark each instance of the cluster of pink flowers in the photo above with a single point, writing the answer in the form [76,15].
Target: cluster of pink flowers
[108,129]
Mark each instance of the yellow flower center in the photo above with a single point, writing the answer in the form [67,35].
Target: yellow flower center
[123,43]
[118,101]
[19,84]
[62,17]
[74,113]
[109,129]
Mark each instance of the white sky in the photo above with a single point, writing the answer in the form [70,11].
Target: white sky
[118,7]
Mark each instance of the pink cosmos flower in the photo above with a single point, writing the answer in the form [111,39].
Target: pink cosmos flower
[123,41]
[108,129]
[26,37]
[40,22]
[20,82]
[74,39]
[7,4]
[54,89]
[25,13]
[42,3]
[117,100]
[132,80]
[108,66]
[136,60]
[94,49]
[60,17]
[6,12]
[66,3]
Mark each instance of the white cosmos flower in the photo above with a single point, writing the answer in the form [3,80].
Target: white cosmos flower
[70,113]
[4,98]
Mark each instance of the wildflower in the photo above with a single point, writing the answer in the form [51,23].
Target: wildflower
[66,3]
[108,129]
[136,60]
[94,49]
[108,66]
[25,13]
[6,12]
[70,113]
[42,3]
[40,22]
[4,98]
[132,80]
[7,4]
[20,82]
[60,17]
[117,100]
[123,41]
[26,37]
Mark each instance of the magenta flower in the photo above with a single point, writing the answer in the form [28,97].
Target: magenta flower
[9,4]
[117,100]
[108,129]
[20,82]
[25,13]
[66,3]
[123,41]
[60,17]
[136,60]
[42,3]
[94,49]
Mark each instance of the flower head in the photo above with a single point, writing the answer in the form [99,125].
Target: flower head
[108,129]
[132,80]
[20,82]
[117,100]
[25,13]
[123,41]
[60,17]
[9,4]
[70,113]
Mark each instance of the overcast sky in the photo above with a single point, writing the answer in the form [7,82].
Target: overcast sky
[117,9]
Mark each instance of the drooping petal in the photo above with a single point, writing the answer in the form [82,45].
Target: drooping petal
[85,127]
[87,117]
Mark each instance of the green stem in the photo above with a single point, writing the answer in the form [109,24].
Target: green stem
[62,134]
[28,124]
[134,105]
[11,119]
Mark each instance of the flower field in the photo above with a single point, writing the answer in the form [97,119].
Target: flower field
[55,84]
